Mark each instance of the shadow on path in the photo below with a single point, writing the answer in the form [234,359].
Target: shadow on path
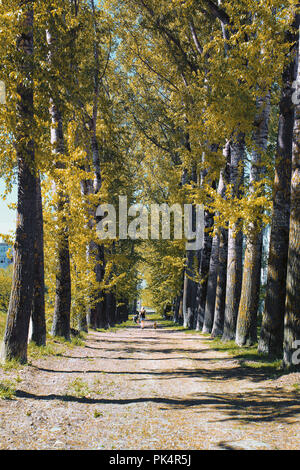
[259,406]
[214,374]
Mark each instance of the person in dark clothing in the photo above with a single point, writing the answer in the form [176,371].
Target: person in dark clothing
[136,317]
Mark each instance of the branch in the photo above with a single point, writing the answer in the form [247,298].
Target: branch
[195,37]
[152,139]
[218,12]
[169,35]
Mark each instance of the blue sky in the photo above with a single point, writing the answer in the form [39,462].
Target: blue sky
[7,216]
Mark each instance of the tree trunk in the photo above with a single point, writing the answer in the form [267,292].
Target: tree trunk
[291,341]
[271,336]
[218,325]
[62,308]
[176,309]
[95,317]
[218,316]
[38,319]
[94,309]
[20,305]
[102,317]
[234,282]
[110,306]
[82,324]
[213,265]
[189,285]
[189,291]
[235,245]
[246,333]
[211,286]
[204,270]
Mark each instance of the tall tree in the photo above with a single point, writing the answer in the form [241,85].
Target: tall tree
[211,286]
[61,317]
[235,244]
[218,324]
[292,310]
[204,269]
[215,258]
[38,319]
[20,305]
[271,335]
[246,333]
[219,312]
[95,313]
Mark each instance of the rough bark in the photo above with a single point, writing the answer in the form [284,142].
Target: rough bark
[110,307]
[246,333]
[101,316]
[189,291]
[218,325]
[38,319]
[271,336]
[235,245]
[291,341]
[82,323]
[176,308]
[204,269]
[95,317]
[211,286]
[62,307]
[19,311]
[95,307]
[189,303]
[213,266]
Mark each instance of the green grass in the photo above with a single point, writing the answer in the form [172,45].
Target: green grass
[78,340]
[249,356]
[13,364]
[170,325]
[37,352]
[55,346]
[78,388]
[7,390]
[162,323]
[119,326]
[153,317]
[232,348]
[2,324]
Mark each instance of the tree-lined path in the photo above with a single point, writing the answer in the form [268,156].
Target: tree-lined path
[148,389]
[154,148]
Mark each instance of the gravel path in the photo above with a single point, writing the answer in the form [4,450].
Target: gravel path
[147,389]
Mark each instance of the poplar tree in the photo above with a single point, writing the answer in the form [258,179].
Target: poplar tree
[19,311]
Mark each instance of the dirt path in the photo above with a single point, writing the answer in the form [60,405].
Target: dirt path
[147,389]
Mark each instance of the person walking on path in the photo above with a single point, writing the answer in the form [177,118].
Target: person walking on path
[136,317]
[142,317]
